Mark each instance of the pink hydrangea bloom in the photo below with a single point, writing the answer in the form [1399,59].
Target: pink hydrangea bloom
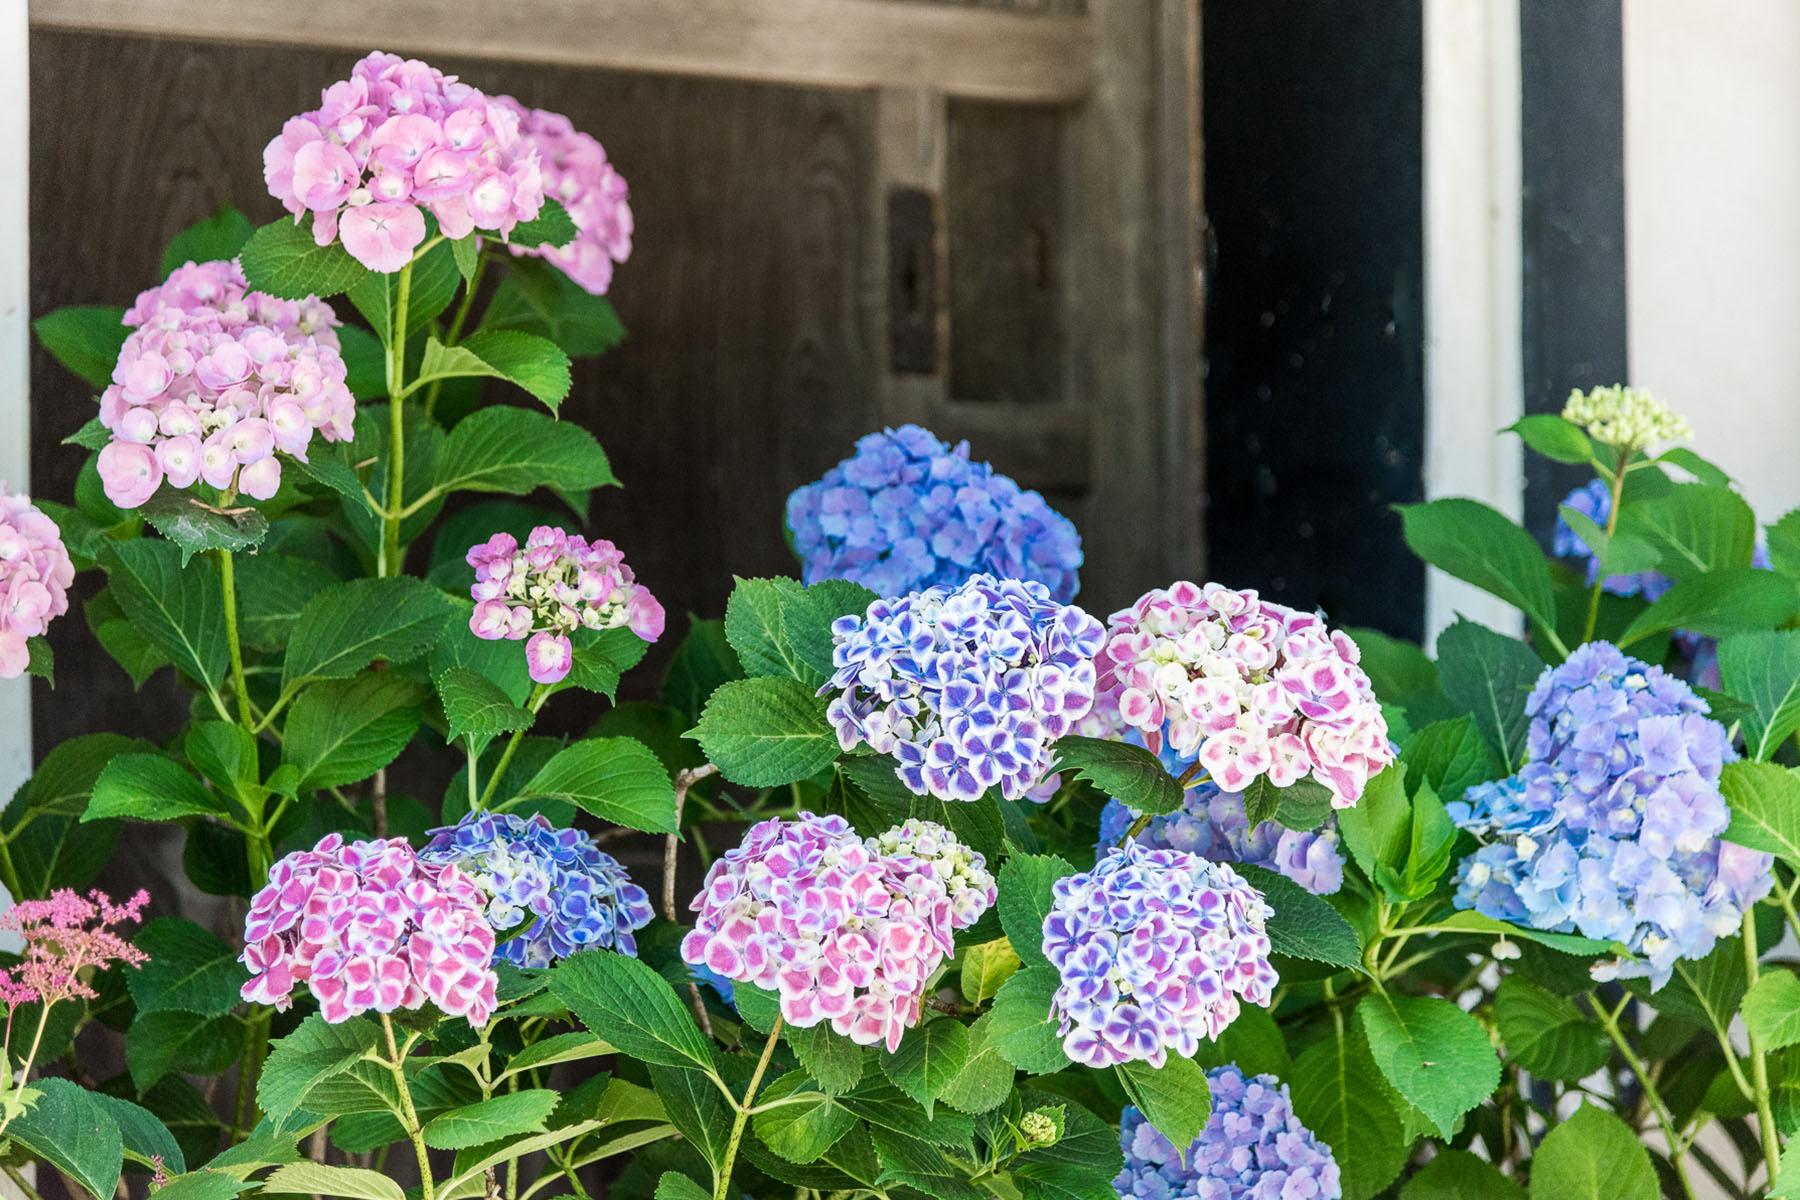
[838,930]
[1246,686]
[578,175]
[395,140]
[554,584]
[35,573]
[65,936]
[213,381]
[368,927]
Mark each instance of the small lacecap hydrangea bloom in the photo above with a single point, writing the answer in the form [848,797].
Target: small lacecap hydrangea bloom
[213,380]
[35,574]
[1156,949]
[567,893]
[396,140]
[1247,687]
[553,585]
[1626,418]
[969,687]
[1253,1147]
[839,931]
[578,176]
[368,927]
[908,512]
[1611,828]
[962,871]
[65,938]
[1212,824]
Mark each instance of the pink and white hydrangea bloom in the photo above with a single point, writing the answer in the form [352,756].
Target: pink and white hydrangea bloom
[367,927]
[1248,687]
[398,139]
[578,175]
[962,871]
[35,574]
[838,930]
[214,381]
[553,585]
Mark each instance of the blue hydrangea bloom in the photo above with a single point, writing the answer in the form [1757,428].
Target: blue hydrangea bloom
[1611,828]
[1594,501]
[569,894]
[721,984]
[1252,1148]
[1212,824]
[908,511]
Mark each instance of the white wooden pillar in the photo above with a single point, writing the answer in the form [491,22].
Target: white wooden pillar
[15,365]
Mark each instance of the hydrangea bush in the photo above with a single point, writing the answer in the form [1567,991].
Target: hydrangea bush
[914,879]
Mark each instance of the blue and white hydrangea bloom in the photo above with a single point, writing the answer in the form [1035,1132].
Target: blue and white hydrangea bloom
[567,893]
[907,512]
[1611,828]
[1253,1147]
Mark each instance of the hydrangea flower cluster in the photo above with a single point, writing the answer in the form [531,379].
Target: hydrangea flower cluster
[213,380]
[63,937]
[1156,949]
[962,871]
[568,893]
[35,574]
[396,139]
[1212,823]
[554,584]
[1626,418]
[1252,1148]
[369,927]
[969,687]
[1611,828]
[577,174]
[1245,686]
[839,931]
[908,512]
[1594,501]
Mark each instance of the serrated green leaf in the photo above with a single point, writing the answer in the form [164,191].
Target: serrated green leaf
[536,364]
[806,1125]
[921,1165]
[1592,1155]
[1718,604]
[1021,1026]
[475,707]
[538,298]
[985,967]
[1435,1055]
[1450,757]
[313,1052]
[146,1141]
[194,525]
[552,227]
[180,609]
[282,259]
[632,1007]
[1697,528]
[1488,675]
[1459,1175]
[355,1183]
[188,970]
[507,1115]
[1025,898]
[1478,545]
[1175,1098]
[1303,925]
[344,730]
[1546,1034]
[702,664]
[1554,437]
[1764,669]
[1338,1094]
[273,589]
[1765,808]
[766,732]
[756,627]
[1252,1042]
[149,787]
[164,1042]
[350,625]
[1772,1010]
[85,339]
[832,1059]
[929,1057]
[696,1108]
[616,779]
[210,239]
[504,449]
[986,1078]
[72,1129]
[1130,774]
[1378,829]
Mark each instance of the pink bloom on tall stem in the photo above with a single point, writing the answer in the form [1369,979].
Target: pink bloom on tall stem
[65,936]
[35,574]
[576,173]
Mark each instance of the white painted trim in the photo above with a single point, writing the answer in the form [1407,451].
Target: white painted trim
[15,348]
[1473,372]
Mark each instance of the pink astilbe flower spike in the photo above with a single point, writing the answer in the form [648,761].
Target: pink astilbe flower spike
[35,573]
[67,937]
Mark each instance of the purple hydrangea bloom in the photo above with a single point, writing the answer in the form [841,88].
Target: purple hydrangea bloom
[968,687]
[1252,1148]
[908,512]
[1212,824]
[570,895]
[1156,949]
[1611,828]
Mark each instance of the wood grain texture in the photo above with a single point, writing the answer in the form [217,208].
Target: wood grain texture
[1015,52]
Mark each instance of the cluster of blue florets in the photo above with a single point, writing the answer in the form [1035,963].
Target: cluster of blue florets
[570,895]
[1212,823]
[1252,1148]
[1594,501]
[908,511]
[1611,828]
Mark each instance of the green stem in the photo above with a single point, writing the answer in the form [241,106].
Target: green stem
[1759,1067]
[20,1182]
[409,1114]
[454,333]
[389,562]
[1609,1018]
[1612,525]
[228,579]
[539,694]
[722,1177]
[248,1072]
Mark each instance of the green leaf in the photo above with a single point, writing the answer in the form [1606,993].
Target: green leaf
[985,967]
[1175,1097]
[194,525]
[553,227]
[1618,553]
[86,340]
[1546,1034]
[766,732]
[354,1182]
[536,364]
[756,626]
[507,1115]
[920,1165]
[149,787]
[617,779]
[312,1053]
[146,1140]
[180,609]
[1021,1026]
[985,1080]
[809,1122]
[1488,675]
[1379,828]
[1764,668]
[1478,545]
[1592,1156]
[675,1186]
[1718,604]
[223,752]
[833,1060]
[1129,774]
[205,1184]
[38,823]
[538,298]
[161,1043]
[504,449]
[1304,926]
[1567,943]
[702,664]
[1698,528]
[72,1129]
[476,708]
[1765,808]
[210,239]
[1450,757]
[435,279]
[1025,884]
[350,625]
[273,589]
[467,253]
[1459,1175]
[929,1057]
[632,1007]
[1435,1055]
[697,1110]
[189,970]
[1784,545]
[40,660]
[1339,1095]
[344,730]
[1693,464]
[281,259]
[601,659]
[1554,437]
[1772,1009]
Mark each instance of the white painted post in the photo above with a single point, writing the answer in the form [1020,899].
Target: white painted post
[15,365]
[1473,381]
